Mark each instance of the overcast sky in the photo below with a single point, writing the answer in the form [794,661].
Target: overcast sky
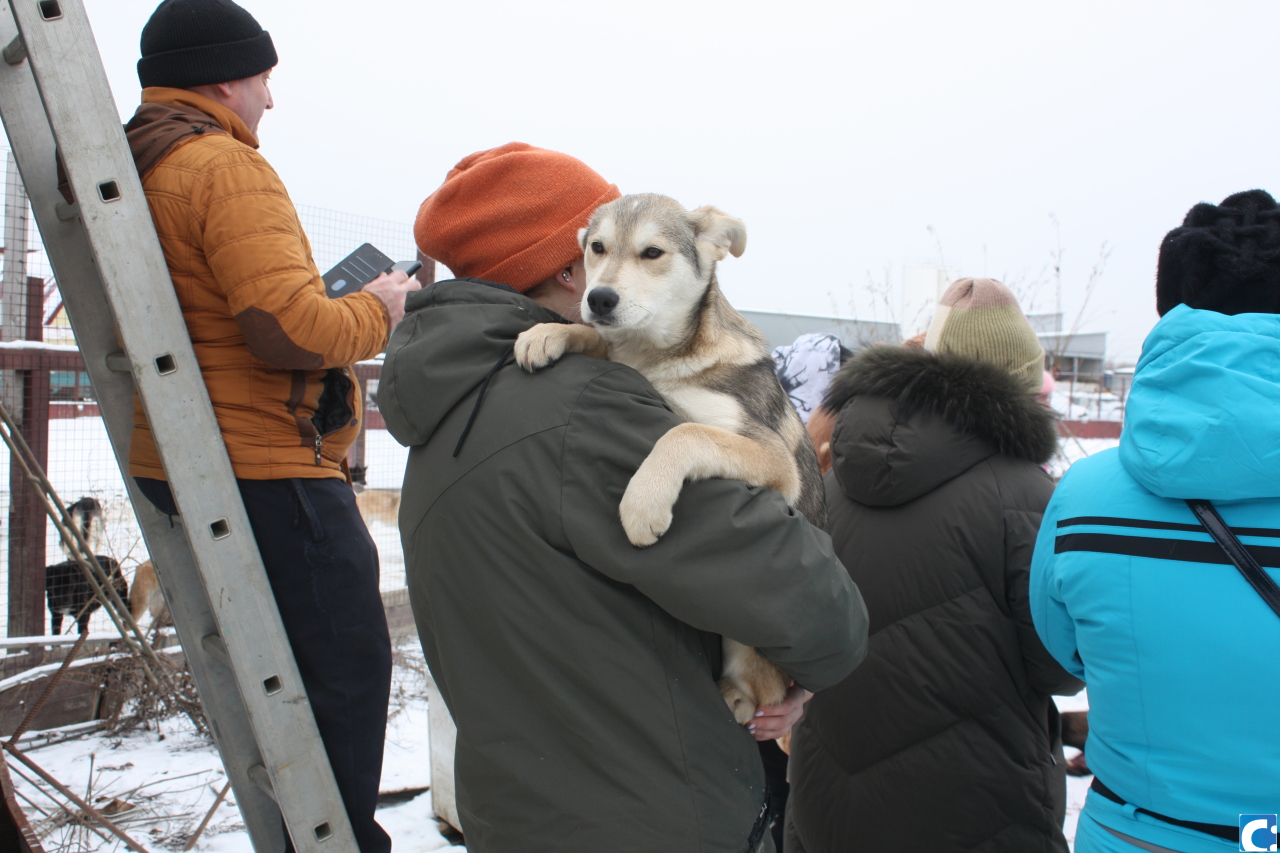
[852,138]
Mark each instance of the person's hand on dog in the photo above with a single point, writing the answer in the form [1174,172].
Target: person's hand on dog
[392,288]
[773,721]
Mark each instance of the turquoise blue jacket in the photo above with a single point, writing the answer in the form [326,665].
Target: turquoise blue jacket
[1181,656]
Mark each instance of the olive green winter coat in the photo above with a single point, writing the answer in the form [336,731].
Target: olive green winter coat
[581,671]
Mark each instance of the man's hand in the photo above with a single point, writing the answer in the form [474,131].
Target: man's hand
[773,721]
[391,289]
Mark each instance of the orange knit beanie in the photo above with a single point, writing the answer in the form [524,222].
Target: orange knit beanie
[511,214]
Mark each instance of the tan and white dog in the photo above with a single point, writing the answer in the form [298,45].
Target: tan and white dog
[653,303]
[146,598]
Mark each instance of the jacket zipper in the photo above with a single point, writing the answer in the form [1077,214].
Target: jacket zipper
[319,447]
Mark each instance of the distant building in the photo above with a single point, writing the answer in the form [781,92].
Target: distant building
[1075,356]
[783,329]
[1070,355]
[1120,381]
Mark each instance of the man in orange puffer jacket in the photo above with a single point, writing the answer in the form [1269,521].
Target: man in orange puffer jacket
[275,353]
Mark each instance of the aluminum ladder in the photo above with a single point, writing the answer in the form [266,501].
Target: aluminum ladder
[104,251]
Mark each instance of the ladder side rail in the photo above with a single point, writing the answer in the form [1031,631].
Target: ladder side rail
[224,709]
[116,221]
[32,144]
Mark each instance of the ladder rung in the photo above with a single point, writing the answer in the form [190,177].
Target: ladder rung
[119,362]
[66,211]
[217,648]
[15,51]
[259,776]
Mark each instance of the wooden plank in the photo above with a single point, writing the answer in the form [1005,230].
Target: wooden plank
[16,834]
[74,700]
[25,357]
[1090,429]
[399,614]
[27,520]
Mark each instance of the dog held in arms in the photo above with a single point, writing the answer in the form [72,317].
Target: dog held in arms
[653,303]
[65,586]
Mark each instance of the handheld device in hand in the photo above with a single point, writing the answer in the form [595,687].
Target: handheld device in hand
[407,267]
[356,270]
[361,267]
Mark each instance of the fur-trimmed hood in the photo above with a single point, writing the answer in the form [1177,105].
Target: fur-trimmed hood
[908,421]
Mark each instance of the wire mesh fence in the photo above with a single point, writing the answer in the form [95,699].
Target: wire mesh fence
[44,386]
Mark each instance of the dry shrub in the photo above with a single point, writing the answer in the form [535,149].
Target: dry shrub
[131,700]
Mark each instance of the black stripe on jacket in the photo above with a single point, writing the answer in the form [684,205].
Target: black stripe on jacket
[1181,550]
[1142,523]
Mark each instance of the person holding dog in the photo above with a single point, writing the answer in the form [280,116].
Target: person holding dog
[946,738]
[275,353]
[580,670]
[1132,593]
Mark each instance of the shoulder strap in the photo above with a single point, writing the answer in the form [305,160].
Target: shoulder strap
[1237,553]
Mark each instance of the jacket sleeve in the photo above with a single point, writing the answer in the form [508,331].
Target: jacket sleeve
[736,561]
[1053,623]
[254,246]
[1046,674]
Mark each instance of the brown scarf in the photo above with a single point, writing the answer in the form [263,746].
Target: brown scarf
[153,132]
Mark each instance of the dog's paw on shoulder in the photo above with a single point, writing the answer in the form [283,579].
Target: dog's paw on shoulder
[540,345]
[740,704]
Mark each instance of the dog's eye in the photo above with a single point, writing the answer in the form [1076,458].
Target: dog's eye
[651,253]
[597,247]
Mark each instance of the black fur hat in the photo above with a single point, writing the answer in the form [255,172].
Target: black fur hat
[1224,258]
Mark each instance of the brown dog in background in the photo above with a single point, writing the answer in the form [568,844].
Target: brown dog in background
[146,598]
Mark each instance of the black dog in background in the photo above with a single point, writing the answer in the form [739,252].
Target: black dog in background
[70,594]
[65,586]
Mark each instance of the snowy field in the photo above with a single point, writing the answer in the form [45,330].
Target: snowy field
[1072,450]
[1086,402]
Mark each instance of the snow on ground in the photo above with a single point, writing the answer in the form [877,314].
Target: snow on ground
[1072,450]
[1087,402]
[169,777]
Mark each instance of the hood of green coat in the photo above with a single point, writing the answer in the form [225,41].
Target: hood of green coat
[437,357]
[908,421]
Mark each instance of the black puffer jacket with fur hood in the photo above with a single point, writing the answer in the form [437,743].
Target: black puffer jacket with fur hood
[945,739]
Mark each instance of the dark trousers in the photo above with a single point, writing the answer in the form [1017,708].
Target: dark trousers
[776,786]
[323,569]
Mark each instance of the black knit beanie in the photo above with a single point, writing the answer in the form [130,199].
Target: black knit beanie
[197,42]
[1224,258]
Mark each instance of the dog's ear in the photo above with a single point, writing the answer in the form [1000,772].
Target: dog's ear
[719,232]
[582,239]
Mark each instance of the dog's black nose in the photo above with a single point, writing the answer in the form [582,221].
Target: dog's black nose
[602,300]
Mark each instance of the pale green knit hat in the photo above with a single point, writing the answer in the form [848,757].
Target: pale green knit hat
[979,318]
